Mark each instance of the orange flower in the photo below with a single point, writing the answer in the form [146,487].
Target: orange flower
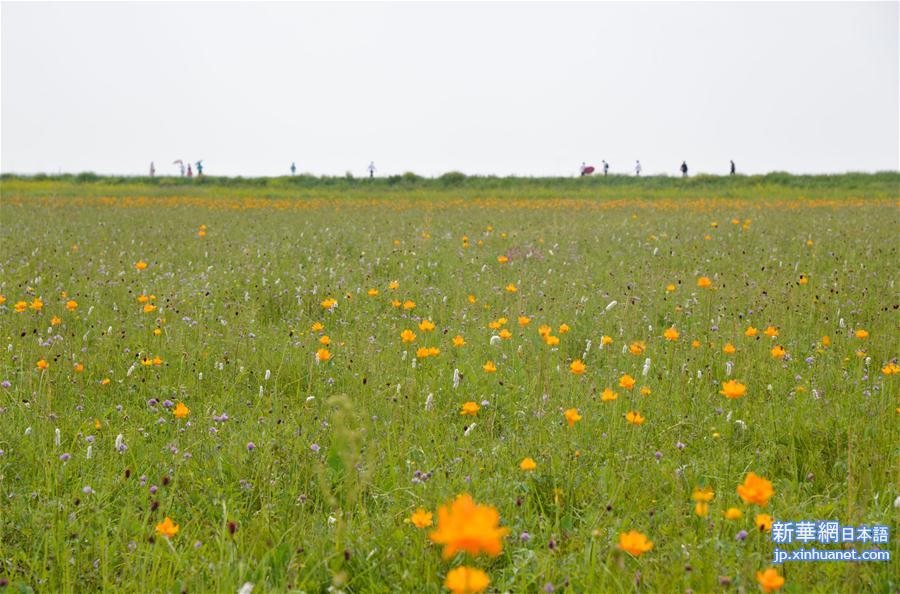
[407,336]
[167,528]
[671,334]
[572,415]
[729,349]
[149,308]
[703,494]
[323,355]
[181,411]
[605,340]
[524,321]
[608,395]
[372,292]
[637,347]
[502,259]
[750,331]
[394,285]
[328,303]
[756,490]
[763,522]
[55,321]
[769,580]
[489,367]
[36,305]
[458,341]
[563,328]
[778,352]
[42,365]
[733,389]
[703,282]
[634,542]
[578,367]
[465,526]
[626,381]
[634,418]
[141,265]
[551,340]
[71,305]
[20,306]
[528,464]
[421,518]
[733,513]
[511,288]
[860,333]
[701,509]
[408,304]
[771,332]
[317,327]
[670,288]
[826,341]
[79,368]
[470,408]
[325,340]
[466,580]
[426,326]
[505,334]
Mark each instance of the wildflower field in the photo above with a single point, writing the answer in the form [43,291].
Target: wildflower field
[465,385]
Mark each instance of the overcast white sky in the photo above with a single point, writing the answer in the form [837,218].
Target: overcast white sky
[499,88]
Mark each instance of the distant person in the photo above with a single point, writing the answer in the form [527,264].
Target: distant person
[293,168]
[684,169]
[199,168]
[582,169]
[371,169]
[733,171]
[605,168]
[180,164]
[637,168]
[152,169]
[189,172]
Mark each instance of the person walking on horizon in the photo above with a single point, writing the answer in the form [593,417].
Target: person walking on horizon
[732,168]
[583,168]
[152,169]
[684,169]
[371,169]
[200,168]
[637,168]
[293,168]
[605,168]
[189,172]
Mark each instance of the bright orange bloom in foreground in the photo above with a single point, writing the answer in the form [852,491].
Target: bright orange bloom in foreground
[626,381]
[465,526]
[778,352]
[426,325]
[608,395]
[637,347]
[769,580]
[167,528]
[733,389]
[756,490]
[634,542]
[634,418]
[71,305]
[181,411]
[763,522]
[528,464]
[37,304]
[470,408]
[572,416]
[323,355]
[42,365]
[466,580]
[578,367]
[407,336]
[421,518]
[671,334]
[703,282]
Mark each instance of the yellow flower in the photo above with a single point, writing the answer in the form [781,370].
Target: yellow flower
[55,321]
[763,522]
[141,265]
[695,344]
[71,305]
[328,303]
[394,285]
[181,411]
[79,367]
[408,304]
[470,408]
[890,369]
[634,418]
[36,305]
[511,288]
[733,389]
[646,391]
[551,340]
[670,288]
[505,334]
[323,355]
[771,332]
[860,333]
[167,527]
[577,367]
[528,464]
[524,321]
[422,352]
[750,331]
[769,580]
[671,334]
[756,490]
[42,365]
[803,279]
[502,259]
[572,416]
[703,282]
[157,331]
[778,352]
[407,336]
[563,328]
[729,348]
[637,347]
[489,367]
[466,526]
[608,395]
[471,298]
[703,494]
[433,351]
[733,513]
[20,306]
[826,341]
[426,326]
[466,580]
[626,381]
[149,308]
[317,327]
[701,509]
[544,330]
[372,292]
[324,339]
[458,341]
[395,303]
[634,542]
[605,340]
[421,518]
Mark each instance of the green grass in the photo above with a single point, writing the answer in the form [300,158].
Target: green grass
[239,303]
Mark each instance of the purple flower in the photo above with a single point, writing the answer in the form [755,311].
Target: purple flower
[658,454]
[251,446]
[680,445]
[810,360]
[65,457]
[314,447]
[548,587]
[168,403]
[220,418]
[524,537]
[87,490]
[741,535]
[5,383]
[153,489]
[152,402]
